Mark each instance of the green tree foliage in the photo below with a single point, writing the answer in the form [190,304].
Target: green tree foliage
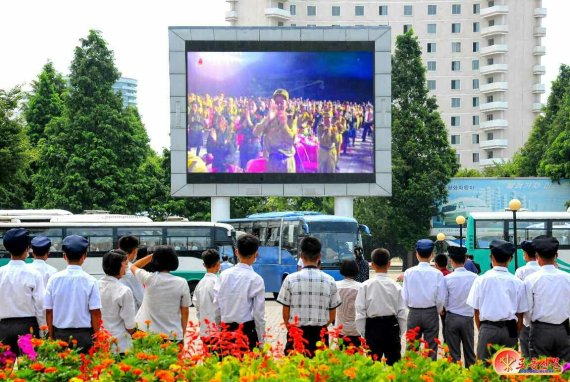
[468,173]
[243,206]
[14,151]
[422,158]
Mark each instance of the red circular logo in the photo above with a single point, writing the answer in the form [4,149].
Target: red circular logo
[507,361]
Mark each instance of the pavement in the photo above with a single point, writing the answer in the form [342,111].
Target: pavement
[358,159]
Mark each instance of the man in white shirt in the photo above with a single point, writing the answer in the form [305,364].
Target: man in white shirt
[424,295]
[499,300]
[21,291]
[380,310]
[118,308]
[548,294]
[225,264]
[459,328]
[130,245]
[240,294]
[529,268]
[203,298]
[346,313]
[72,300]
[40,251]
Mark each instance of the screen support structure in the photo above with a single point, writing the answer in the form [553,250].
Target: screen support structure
[220,208]
[343,206]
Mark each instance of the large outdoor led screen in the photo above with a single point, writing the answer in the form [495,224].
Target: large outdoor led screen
[280,112]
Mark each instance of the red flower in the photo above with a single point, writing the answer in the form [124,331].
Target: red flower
[37,366]
[50,370]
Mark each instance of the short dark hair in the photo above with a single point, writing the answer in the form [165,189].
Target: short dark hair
[225,258]
[128,243]
[40,251]
[144,252]
[112,261]
[311,248]
[501,257]
[164,259]
[247,245]
[424,254]
[210,257]
[349,268]
[441,260]
[380,256]
[74,256]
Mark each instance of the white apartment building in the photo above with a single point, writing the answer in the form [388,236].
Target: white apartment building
[483,59]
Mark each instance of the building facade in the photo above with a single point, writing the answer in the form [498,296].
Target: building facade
[128,89]
[483,59]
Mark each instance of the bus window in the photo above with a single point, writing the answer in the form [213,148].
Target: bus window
[530,230]
[487,231]
[189,239]
[290,237]
[273,233]
[100,239]
[245,227]
[221,235]
[561,231]
[148,237]
[260,230]
[55,235]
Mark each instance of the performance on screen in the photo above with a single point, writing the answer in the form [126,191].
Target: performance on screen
[280,112]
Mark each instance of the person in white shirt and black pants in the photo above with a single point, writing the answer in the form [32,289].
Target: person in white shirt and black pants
[548,294]
[203,297]
[130,244]
[424,294]
[459,328]
[40,251]
[21,291]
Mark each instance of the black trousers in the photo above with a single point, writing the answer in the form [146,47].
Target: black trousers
[248,329]
[310,333]
[83,336]
[382,336]
[11,328]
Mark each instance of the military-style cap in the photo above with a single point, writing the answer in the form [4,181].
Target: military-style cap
[424,245]
[502,247]
[528,247]
[16,240]
[281,92]
[456,251]
[544,245]
[41,243]
[75,244]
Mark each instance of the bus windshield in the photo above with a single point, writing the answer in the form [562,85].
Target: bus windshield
[337,246]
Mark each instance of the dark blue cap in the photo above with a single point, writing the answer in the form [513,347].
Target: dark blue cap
[453,250]
[546,245]
[502,247]
[528,247]
[424,245]
[75,244]
[41,243]
[16,240]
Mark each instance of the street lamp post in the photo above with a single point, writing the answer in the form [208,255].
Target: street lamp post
[515,205]
[460,220]
[440,244]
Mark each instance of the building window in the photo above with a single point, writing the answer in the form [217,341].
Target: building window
[407,28]
[491,3]
[431,66]
[431,47]
[490,99]
[280,23]
[432,28]
[311,10]
[455,139]
[293,25]
[456,9]
[475,120]
[455,84]
[359,10]
[456,47]
[293,9]
[456,28]
[475,83]
[490,117]
[408,11]
[455,66]
[475,64]
[476,27]
[475,47]
[491,23]
[455,121]
[474,138]
[431,84]
[432,9]
[490,61]
[491,42]
[490,80]
[383,10]
[336,10]
[456,102]
[475,101]
[476,9]
[475,157]
[490,136]
[280,6]
[489,155]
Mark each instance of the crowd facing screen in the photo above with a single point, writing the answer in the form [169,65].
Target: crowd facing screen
[284,113]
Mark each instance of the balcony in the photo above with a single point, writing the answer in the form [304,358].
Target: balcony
[538,69]
[494,30]
[539,50]
[494,87]
[496,11]
[539,31]
[496,124]
[494,106]
[538,88]
[537,107]
[494,144]
[494,49]
[538,12]
[231,16]
[278,13]
[491,69]
[492,161]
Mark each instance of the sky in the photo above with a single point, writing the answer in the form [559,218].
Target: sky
[35,31]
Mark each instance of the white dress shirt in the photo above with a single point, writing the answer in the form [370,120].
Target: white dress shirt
[239,294]
[378,297]
[164,295]
[118,310]
[457,285]
[346,312]
[203,300]
[44,268]
[522,273]
[21,292]
[548,295]
[498,295]
[423,287]
[135,286]
[225,265]
[72,293]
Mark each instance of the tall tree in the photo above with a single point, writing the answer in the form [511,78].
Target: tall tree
[423,161]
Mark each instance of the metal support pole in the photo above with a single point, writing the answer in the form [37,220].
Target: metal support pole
[515,239]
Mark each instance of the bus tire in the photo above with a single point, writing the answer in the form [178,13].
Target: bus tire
[192,285]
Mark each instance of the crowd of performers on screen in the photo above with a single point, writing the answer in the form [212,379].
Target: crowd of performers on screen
[273,135]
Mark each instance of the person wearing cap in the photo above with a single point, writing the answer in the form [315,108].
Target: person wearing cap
[72,301]
[21,291]
[130,244]
[499,301]
[328,141]
[424,295]
[459,329]
[548,295]
[279,133]
[363,266]
[40,252]
[529,268]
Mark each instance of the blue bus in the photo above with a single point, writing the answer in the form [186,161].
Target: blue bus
[281,232]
